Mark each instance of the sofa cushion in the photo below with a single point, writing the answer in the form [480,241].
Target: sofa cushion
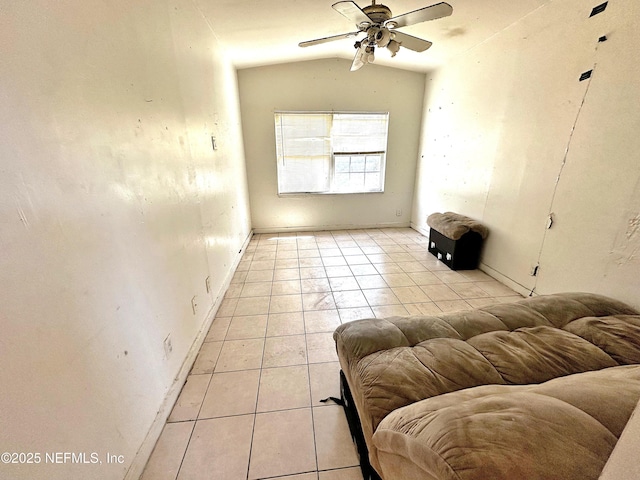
[393,362]
[561,429]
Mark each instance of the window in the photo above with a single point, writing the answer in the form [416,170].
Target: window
[334,152]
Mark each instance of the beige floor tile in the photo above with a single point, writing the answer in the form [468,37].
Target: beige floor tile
[384,311]
[357,259]
[281,324]
[167,455]
[259,276]
[481,302]
[321,348]
[218,329]
[339,284]
[318,301]
[252,306]
[334,446]
[439,292]
[302,476]
[351,251]
[412,267]
[476,275]
[424,278]
[350,299]
[371,281]
[285,303]
[380,296]
[287,254]
[398,279]
[312,252]
[352,473]
[496,289]
[453,305]
[448,276]
[343,271]
[314,285]
[283,444]
[262,265]
[468,290]
[310,262]
[239,277]
[285,351]
[350,314]
[371,249]
[220,445]
[365,269]
[264,255]
[227,307]
[312,272]
[321,321]
[290,263]
[324,379]
[428,308]
[234,290]
[392,247]
[253,326]
[434,265]
[401,257]
[231,393]
[256,289]
[240,355]
[190,400]
[334,261]
[284,388]
[245,263]
[286,274]
[286,287]
[413,294]
[376,258]
[388,269]
[207,358]
[330,252]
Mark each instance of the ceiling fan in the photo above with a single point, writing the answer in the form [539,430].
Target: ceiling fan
[381,29]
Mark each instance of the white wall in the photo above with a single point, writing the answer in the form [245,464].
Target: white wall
[511,136]
[329,85]
[114,210]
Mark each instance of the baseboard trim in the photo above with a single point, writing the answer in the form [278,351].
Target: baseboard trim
[513,285]
[330,227]
[420,229]
[146,449]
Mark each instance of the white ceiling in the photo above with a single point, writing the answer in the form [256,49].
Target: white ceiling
[258,32]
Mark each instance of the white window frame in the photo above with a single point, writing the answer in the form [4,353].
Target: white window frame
[332,179]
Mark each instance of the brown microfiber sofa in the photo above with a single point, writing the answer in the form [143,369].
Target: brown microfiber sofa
[536,389]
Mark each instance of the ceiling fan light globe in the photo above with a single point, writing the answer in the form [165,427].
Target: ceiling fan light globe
[393,47]
[383,37]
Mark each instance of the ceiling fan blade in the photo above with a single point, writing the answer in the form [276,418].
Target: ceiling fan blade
[358,60]
[352,11]
[412,43]
[318,41]
[433,12]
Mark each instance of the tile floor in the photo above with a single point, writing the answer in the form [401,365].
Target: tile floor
[250,408]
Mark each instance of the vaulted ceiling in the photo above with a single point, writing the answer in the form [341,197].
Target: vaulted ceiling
[259,32]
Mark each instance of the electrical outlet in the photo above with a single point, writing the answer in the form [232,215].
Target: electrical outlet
[168,347]
[207,283]
[194,304]
[398,212]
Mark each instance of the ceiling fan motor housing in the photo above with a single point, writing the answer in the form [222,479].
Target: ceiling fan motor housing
[378,13]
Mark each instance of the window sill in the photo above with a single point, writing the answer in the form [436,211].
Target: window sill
[313,194]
